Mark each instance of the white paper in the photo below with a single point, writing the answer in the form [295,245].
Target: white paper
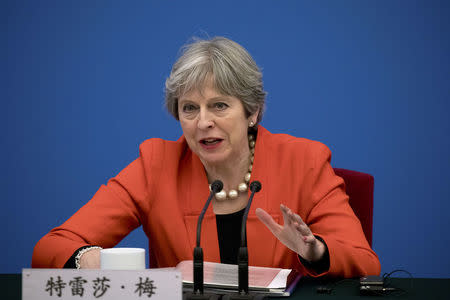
[225,275]
[280,280]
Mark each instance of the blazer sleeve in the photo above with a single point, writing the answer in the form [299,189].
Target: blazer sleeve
[332,218]
[106,219]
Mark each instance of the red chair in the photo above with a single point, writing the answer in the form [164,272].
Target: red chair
[359,187]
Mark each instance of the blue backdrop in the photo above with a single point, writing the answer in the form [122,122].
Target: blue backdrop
[84,82]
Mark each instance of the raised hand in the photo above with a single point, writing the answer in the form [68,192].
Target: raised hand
[294,234]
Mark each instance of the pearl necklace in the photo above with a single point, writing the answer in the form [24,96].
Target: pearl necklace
[243,186]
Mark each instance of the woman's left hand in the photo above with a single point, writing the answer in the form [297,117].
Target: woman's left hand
[294,234]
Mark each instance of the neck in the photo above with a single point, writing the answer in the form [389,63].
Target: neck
[231,172]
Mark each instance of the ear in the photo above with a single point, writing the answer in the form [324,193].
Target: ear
[254,117]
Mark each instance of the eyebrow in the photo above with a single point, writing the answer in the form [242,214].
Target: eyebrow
[212,99]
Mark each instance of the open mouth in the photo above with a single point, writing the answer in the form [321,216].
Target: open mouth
[210,142]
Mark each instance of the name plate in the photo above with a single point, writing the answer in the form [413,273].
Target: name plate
[40,284]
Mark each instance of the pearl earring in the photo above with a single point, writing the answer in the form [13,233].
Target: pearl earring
[251,124]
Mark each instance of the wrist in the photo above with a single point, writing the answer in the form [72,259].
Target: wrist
[81,252]
[319,251]
[322,264]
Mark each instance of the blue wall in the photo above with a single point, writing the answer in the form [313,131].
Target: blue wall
[84,86]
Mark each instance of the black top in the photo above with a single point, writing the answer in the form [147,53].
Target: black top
[229,235]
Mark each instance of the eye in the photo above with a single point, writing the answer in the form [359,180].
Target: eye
[220,106]
[187,108]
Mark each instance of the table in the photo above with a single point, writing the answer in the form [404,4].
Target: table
[417,288]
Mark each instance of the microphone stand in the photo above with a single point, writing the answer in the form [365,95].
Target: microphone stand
[216,187]
[255,187]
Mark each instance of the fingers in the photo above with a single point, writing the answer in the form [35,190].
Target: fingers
[298,219]
[286,215]
[290,217]
[301,226]
[297,222]
[292,220]
[267,219]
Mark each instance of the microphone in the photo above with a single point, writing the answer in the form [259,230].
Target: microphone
[216,187]
[255,187]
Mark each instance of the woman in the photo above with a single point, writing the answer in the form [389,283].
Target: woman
[215,90]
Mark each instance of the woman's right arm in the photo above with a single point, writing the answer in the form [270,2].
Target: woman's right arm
[106,219]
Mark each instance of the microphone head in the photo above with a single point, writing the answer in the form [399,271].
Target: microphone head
[216,186]
[255,186]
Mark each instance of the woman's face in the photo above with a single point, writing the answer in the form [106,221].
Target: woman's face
[214,125]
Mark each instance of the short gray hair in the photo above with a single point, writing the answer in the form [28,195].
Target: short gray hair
[233,70]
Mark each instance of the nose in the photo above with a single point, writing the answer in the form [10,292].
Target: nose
[205,119]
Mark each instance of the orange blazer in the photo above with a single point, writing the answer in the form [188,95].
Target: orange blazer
[165,188]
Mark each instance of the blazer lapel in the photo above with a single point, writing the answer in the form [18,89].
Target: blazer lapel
[195,196]
[260,241]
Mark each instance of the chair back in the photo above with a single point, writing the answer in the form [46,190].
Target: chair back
[359,188]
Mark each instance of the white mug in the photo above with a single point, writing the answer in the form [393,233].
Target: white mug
[122,259]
